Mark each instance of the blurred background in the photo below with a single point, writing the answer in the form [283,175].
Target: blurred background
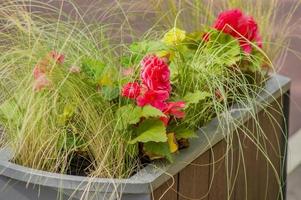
[140,17]
[291,66]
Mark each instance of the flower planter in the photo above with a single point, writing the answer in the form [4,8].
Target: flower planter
[193,176]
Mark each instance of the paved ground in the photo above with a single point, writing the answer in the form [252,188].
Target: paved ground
[294,185]
[292,68]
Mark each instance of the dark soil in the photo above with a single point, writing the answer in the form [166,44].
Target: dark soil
[80,164]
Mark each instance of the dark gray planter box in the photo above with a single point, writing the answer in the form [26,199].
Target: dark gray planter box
[192,176]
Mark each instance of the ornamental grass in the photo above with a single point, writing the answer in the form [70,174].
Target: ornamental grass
[76,101]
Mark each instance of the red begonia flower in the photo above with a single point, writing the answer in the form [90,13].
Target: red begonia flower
[57,57]
[155,73]
[131,90]
[155,98]
[240,26]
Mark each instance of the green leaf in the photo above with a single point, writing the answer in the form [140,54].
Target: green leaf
[223,49]
[125,61]
[134,115]
[108,77]
[68,141]
[158,149]
[128,114]
[92,67]
[150,111]
[173,37]
[195,97]
[256,60]
[139,49]
[194,39]
[183,133]
[68,112]
[147,46]
[150,130]
[109,92]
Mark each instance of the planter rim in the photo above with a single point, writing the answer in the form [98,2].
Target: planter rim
[153,175]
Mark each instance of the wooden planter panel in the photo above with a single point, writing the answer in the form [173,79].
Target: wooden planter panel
[193,179]
[168,190]
[237,169]
[261,181]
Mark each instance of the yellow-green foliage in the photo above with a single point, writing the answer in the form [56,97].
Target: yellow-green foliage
[79,113]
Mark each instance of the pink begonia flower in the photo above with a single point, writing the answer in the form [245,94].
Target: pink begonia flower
[41,82]
[57,57]
[155,73]
[74,69]
[240,26]
[131,90]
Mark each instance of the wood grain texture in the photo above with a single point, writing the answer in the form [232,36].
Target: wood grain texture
[240,170]
[193,179]
[223,170]
[167,191]
[259,171]
[245,165]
